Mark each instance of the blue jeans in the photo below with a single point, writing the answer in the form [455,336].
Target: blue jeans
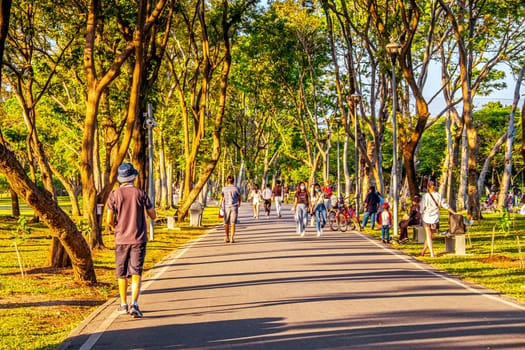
[372,216]
[320,216]
[385,232]
[302,217]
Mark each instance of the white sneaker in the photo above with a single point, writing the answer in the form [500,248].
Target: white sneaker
[318,233]
[302,234]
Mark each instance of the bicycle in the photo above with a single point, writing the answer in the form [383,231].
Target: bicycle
[341,218]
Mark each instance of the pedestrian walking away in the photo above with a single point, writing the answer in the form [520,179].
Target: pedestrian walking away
[371,203]
[301,203]
[127,210]
[256,197]
[430,205]
[267,197]
[328,193]
[319,209]
[277,194]
[230,203]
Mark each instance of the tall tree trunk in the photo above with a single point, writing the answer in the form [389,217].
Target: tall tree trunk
[169,181]
[57,220]
[507,173]
[57,255]
[72,193]
[15,203]
[462,194]
[486,164]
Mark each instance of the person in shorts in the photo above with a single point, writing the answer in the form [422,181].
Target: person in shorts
[127,210]
[230,203]
[431,203]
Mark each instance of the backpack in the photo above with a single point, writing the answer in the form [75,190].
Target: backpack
[456,225]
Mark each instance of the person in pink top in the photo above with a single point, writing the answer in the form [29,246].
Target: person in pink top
[127,210]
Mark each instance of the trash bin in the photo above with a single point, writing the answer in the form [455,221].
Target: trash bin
[196,214]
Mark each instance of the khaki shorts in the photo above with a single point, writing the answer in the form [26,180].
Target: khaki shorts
[230,215]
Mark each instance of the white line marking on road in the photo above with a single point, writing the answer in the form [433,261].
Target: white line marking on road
[420,265]
[93,338]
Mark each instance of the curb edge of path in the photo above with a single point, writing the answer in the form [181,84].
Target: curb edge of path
[470,286]
[85,335]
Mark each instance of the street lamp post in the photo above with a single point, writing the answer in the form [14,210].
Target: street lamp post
[393,49]
[150,124]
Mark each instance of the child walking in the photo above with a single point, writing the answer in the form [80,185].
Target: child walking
[385,220]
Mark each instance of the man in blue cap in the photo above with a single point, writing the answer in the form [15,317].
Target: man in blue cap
[127,209]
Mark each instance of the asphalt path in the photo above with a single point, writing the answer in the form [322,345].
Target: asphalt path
[273,289]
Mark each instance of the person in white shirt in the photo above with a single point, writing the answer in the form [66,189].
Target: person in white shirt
[267,197]
[256,197]
[430,206]
[318,209]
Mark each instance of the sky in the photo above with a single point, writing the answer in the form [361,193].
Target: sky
[505,96]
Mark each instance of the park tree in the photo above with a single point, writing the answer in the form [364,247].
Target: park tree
[35,49]
[200,72]
[41,200]
[485,33]
[509,146]
[133,25]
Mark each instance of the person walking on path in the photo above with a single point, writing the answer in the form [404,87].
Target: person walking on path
[328,193]
[127,209]
[385,220]
[371,203]
[256,197]
[430,205]
[267,197]
[277,194]
[414,219]
[319,209]
[301,203]
[230,203]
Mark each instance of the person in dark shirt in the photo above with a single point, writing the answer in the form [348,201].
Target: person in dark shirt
[301,205]
[371,203]
[414,219]
[127,209]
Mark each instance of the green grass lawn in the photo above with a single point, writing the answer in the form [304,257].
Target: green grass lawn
[39,310]
[501,271]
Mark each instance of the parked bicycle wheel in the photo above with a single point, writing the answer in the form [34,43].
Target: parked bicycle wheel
[352,225]
[343,222]
[332,221]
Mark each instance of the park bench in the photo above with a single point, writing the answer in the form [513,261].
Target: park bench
[418,233]
[457,244]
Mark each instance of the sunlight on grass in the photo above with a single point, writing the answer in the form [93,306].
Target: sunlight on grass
[40,310]
[501,272]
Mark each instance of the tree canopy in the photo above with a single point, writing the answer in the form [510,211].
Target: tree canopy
[257,89]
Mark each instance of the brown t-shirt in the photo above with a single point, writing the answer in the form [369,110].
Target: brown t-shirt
[129,203]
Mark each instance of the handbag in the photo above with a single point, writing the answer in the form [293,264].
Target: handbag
[456,224]
[221,213]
